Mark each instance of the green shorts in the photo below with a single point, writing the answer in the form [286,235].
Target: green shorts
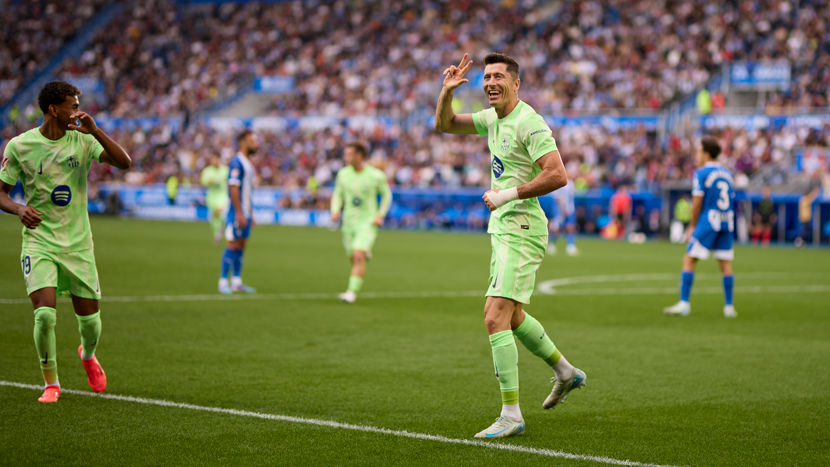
[360,238]
[215,203]
[71,273]
[513,265]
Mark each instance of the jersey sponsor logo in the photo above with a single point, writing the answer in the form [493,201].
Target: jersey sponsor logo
[61,196]
[498,167]
[505,145]
[72,162]
[357,202]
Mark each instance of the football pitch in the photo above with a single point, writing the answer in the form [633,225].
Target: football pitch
[290,376]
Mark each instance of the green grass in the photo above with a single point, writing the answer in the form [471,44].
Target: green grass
[698,391]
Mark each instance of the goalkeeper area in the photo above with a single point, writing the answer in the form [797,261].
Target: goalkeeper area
[291,376]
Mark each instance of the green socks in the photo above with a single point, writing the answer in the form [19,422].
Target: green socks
[90,329]
[506,361]
[536,340]
[44,333]
[216,225]
[355,283]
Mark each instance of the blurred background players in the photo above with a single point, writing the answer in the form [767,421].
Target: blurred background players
[805,216]
[215,178]
[711,228]
[564,215]
[356,191]
[764,219]
[682,217]
[240,213]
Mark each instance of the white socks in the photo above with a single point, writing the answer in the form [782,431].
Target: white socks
[223,282]
[236,281]
[512,412]
[563,369]
[86,357]
[56,384]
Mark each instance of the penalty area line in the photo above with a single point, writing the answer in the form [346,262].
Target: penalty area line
[349,426]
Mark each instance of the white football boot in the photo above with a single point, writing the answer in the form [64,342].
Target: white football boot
[571,250]
[348,297]
[729,312]
[562,388]
[678,309]
[502,428]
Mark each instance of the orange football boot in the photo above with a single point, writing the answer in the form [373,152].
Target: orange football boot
[95,374]
[51,394]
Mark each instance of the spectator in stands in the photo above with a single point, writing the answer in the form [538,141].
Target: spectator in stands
[764,219]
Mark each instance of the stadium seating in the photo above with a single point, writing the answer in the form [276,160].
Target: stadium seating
[576,57]
[33,31]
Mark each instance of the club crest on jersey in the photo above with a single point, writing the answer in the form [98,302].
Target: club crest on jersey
[498,167]
[61,196]
[357,202]
[505,145]
[72,162]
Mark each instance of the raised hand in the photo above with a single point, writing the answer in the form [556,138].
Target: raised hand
[87,126]
[454,75]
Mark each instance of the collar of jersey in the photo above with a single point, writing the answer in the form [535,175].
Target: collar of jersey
[516,110]
[51,141]
[712,164]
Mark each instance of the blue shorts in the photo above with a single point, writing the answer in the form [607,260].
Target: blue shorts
[706,241]
[557,221]
[232,232]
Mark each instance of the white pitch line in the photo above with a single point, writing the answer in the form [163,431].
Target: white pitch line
[349,426]
[443,294]
[287,296]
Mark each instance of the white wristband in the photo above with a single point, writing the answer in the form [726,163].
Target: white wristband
[502,197]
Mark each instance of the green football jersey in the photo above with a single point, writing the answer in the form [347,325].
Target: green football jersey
[356,193]
[216,181]
[516,142]
[54,176]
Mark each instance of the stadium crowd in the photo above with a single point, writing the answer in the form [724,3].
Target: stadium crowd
[33,30]
[162,58]
[419,157]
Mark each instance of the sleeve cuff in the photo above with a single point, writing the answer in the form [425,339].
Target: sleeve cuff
[6,179]
[482,130]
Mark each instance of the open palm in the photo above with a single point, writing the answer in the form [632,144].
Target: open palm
[454,75]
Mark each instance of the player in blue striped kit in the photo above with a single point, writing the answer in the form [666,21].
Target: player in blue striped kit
[711,228]
[564,214]
[240,213]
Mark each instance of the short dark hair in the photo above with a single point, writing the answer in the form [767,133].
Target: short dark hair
[55,93]
[359,147]
[710,146]
[244,134]
[512,65]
